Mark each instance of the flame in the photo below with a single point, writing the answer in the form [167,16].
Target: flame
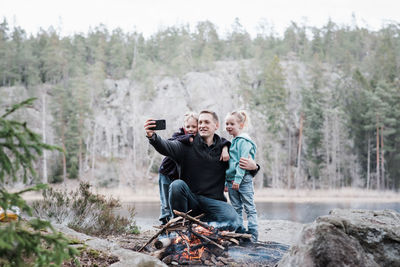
[189,241]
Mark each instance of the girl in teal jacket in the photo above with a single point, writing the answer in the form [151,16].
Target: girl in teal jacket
[239,183]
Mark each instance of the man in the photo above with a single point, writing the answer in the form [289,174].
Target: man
[202,173]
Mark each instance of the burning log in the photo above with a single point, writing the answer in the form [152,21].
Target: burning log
[160,231]
[207,239]
[162,243]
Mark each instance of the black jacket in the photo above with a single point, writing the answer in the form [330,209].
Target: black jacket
[198,164]
[168,166]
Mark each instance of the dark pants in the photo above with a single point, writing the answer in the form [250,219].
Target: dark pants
[218,213]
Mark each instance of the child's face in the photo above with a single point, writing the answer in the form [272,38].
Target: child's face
[233,127]
[191,126]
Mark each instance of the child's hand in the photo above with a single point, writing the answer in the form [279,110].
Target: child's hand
[226,189]
[224,154]
[235,186]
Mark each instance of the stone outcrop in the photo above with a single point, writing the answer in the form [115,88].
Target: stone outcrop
[126,257]
[348,238]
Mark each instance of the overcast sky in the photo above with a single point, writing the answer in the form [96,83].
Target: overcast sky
[147,16]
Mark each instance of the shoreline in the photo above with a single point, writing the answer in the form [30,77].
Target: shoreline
[265,195]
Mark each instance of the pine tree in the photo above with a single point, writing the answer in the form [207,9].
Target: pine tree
[21,240]
[312,108]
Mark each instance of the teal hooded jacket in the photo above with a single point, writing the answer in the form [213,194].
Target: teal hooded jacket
[241,146]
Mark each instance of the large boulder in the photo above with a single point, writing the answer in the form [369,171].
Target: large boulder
[348,238]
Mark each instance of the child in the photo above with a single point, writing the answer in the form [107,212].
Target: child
[239,182]
[168,171]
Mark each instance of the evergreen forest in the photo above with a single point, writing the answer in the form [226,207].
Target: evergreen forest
[341,128]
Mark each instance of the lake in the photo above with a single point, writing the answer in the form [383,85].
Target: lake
[147,212]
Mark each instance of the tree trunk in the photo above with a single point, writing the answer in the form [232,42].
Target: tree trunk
[378,180]
[44,136]
[382,161]
[289,159]
[94,150]
[299,151]
[369,163]
[64,157]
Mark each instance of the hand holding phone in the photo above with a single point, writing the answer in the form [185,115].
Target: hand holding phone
[152,125]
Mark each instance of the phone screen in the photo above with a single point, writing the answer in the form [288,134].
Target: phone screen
[160,125]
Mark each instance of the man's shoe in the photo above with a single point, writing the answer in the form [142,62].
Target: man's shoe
[241,230]
[164,221]
[254,235]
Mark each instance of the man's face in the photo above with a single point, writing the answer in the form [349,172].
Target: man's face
[207,125]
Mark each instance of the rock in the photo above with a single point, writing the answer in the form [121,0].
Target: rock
[281,231]
[348,238]
[126,257]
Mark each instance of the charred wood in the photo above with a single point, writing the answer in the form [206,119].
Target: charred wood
[163,242]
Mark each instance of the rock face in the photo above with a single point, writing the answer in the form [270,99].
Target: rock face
[348,238]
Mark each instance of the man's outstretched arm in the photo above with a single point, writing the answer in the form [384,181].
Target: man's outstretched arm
[172,149]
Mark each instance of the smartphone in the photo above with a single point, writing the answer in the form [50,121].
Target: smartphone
[160,125]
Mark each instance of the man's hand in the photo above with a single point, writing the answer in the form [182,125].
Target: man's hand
[225,189]
[150,123]
[247,164]
[235,186]
[224,154]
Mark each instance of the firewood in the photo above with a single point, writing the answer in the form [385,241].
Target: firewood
[225,243]
[184,240]
[160,231]
[208,263]
[162,243]
[167,259]
[223,260]
[205,256]
[175,228]
[208,240]
[235,235]
[159,253]
[213,259]
[233,240]
[182,214]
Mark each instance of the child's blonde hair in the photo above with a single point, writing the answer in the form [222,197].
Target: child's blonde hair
[241,116]
[189,115]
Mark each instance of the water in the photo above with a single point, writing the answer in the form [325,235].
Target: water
[147,213]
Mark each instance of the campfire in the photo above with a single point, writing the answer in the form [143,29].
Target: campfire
[185,240]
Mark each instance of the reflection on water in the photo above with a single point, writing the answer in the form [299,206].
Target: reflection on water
[147,212]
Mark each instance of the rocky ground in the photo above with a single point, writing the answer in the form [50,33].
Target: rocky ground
[342,238]
[121,249]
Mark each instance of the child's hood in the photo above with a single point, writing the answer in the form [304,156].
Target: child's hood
[246,137]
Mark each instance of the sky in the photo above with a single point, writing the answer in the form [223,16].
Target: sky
[149,16]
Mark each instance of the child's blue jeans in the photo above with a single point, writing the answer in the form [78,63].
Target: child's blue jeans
[245,198]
